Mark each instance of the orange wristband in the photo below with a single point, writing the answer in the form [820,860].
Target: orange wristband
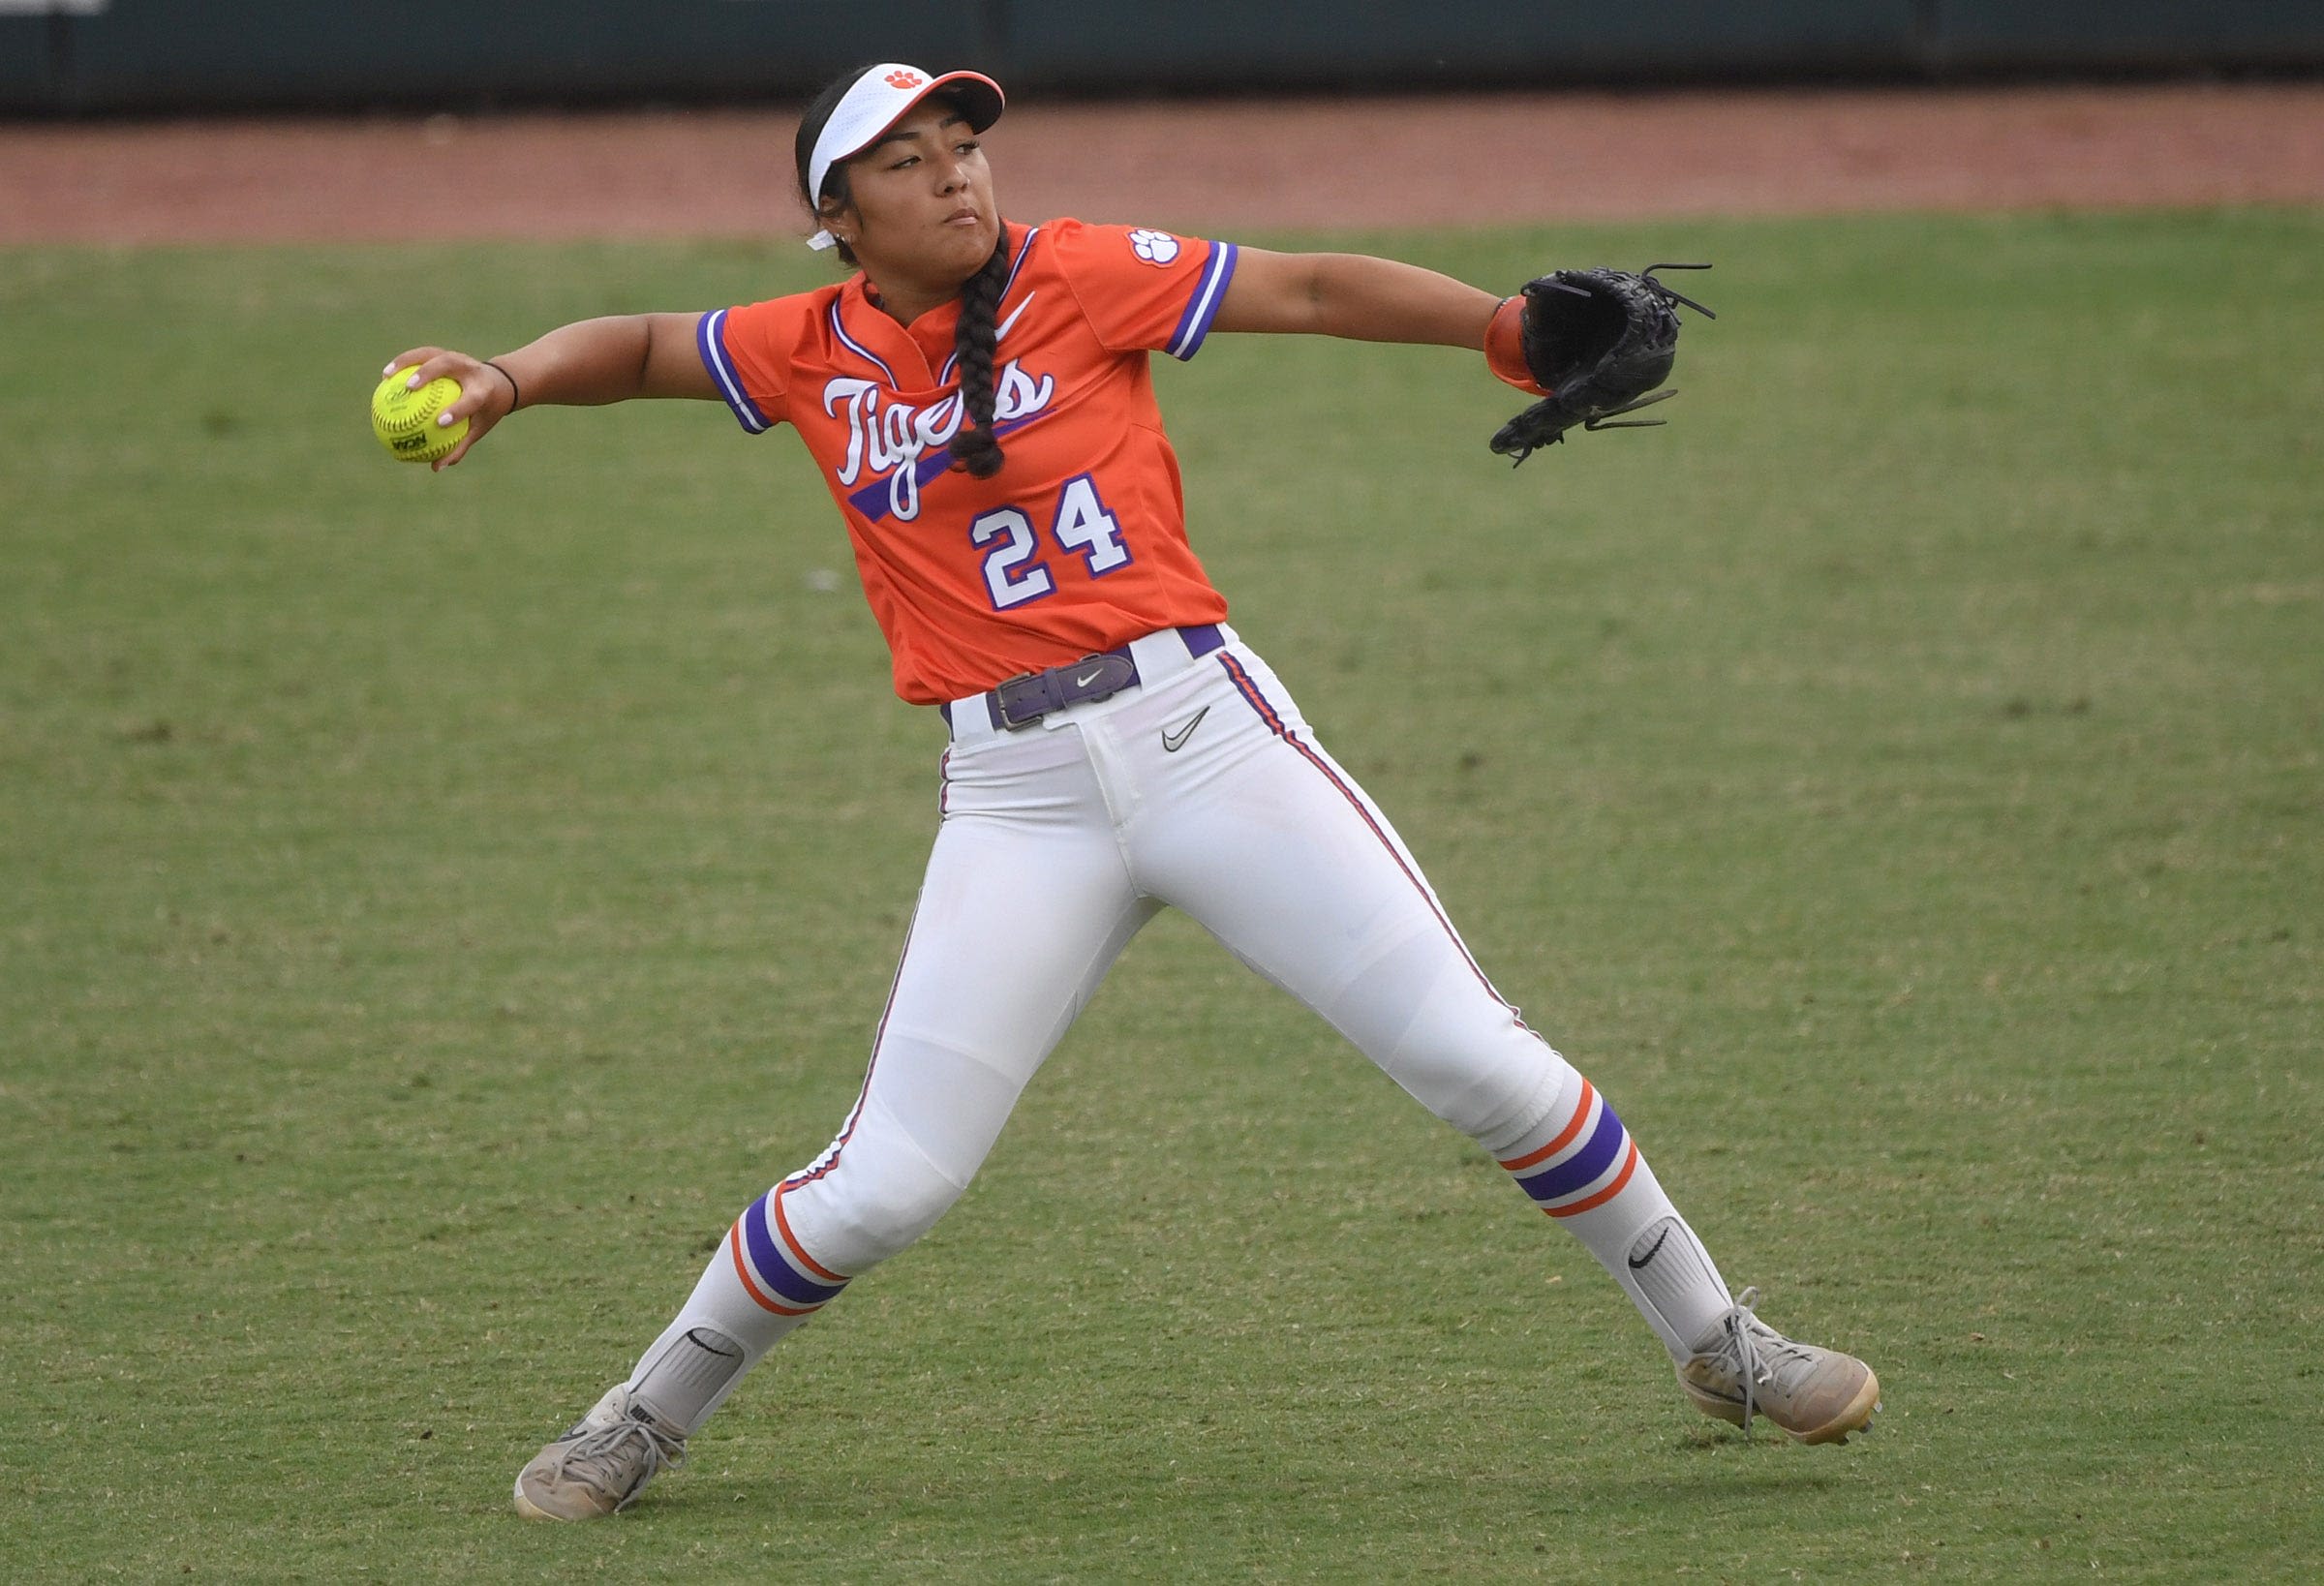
[1505,346]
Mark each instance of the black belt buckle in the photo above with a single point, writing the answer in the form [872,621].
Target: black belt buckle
[1028,696]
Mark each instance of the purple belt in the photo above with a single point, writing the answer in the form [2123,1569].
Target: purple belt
[1027,697]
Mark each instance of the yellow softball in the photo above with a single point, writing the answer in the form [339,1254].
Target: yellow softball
[405,420]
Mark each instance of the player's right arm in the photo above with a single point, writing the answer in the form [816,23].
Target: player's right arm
[586,364]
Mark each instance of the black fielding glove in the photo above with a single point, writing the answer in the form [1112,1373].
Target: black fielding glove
[1596,342]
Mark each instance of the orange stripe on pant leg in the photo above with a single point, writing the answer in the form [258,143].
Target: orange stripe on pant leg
[742,1269]
[1630,1166]
[1564,1137]
[1370,817]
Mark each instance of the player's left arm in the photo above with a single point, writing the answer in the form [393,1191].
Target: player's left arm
[1354,296]
[588,363]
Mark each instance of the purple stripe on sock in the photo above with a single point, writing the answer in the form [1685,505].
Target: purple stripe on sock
[777,1273]
[1584,1167]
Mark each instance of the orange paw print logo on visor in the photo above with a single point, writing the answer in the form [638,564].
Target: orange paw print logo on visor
[905,79]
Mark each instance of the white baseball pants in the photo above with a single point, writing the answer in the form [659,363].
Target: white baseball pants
[1202,789]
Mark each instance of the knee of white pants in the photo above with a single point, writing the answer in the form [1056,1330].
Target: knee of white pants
[873,1203]
[928,1115]
[1433,1025]
[1491,1081]
[885,1216]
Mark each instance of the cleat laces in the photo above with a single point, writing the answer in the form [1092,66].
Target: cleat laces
[619,1458]
[1755,1350]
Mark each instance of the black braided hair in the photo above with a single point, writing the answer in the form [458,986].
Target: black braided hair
[972,345]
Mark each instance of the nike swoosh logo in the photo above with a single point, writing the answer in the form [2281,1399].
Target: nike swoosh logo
[1083,681]
[1637,1261]
[1009,323]
[1173,742]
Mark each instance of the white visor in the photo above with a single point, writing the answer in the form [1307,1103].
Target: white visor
[877,100]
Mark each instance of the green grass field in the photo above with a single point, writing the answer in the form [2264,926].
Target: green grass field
[430,908]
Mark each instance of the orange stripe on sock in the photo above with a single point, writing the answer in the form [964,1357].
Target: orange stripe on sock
[1630,1166]
[1564,1136]
[782,1225]
[742,1269]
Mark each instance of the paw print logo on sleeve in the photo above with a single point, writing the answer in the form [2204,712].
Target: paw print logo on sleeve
[1154,247]
[905,79]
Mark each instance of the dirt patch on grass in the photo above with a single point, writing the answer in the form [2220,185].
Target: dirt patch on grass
[1481,159]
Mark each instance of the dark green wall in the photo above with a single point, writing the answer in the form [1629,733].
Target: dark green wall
[1430,41]
[2129,33]
[166,53]
[154,55]
[26,47]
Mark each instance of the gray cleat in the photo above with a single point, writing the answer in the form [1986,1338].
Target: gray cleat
[1742,1367]
[601,1465]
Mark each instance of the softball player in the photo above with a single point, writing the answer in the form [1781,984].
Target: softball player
[978,397]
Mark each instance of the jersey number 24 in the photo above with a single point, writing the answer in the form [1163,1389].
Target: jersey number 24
[1081,524]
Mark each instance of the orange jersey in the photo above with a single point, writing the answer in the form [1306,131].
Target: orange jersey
[1079,543]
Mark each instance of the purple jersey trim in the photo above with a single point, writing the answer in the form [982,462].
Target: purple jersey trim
[710,340]
[859,349]
[1203,306]
[944,375]
[1018,263]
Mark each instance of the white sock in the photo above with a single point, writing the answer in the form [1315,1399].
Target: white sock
[758,1288]
[1671,1279]
[1580,1165]
[686,1375]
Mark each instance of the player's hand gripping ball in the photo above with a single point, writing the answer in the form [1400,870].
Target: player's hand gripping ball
[405,420]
